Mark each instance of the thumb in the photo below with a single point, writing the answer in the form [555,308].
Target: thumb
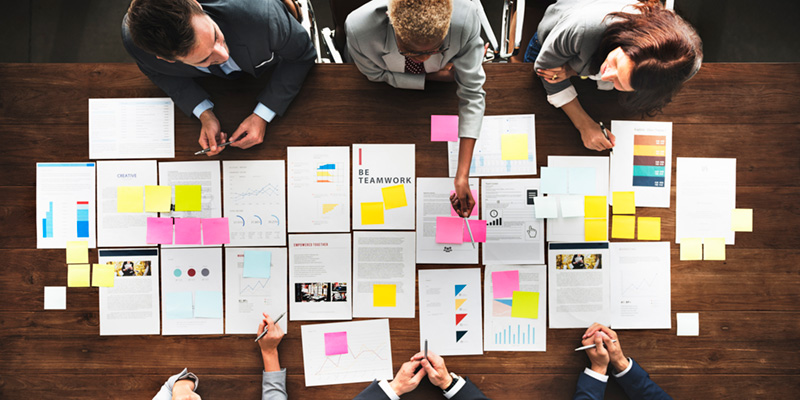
[598,342]
[236,135]
[428,367]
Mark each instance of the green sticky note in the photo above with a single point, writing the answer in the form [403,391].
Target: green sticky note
[691,249]
[129,199]
[649,228]
[595,206]
[742,220]
[714,249]
[188,197]
[157,198]
[103,275]
[77,252]
[623,226]
[372,213]
[384,295]
[394,197]
[623,203]
[595,230]
[514,146]
[525,305]
[78,275]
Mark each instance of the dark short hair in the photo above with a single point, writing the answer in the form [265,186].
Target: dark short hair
[665,49]
[163,27]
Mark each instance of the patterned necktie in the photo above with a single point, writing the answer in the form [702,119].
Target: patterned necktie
[413,67]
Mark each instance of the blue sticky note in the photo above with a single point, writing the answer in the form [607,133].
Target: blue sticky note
[582,181]
[207,304]
[178,305]
[257,264]
[555,180]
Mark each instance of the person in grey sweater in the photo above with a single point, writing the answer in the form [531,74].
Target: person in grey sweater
[639,48]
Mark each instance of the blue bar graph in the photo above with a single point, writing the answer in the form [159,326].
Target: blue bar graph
[508,336]
[82,218]
[47,223]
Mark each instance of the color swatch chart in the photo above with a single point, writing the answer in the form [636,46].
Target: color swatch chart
[649,160]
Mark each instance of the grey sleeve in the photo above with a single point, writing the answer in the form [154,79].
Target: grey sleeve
[561,45]
[469,75]
[166,389]
[374,72]
[273,385]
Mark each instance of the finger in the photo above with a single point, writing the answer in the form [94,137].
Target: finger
[598,342]
[418,376]
[236,136]
[608,331]
[613,139]
[418,356]
[261,327]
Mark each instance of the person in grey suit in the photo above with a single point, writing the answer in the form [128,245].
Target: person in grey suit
[408,42]
[175,41]
[410,375]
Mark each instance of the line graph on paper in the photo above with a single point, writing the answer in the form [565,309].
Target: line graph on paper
[639,284]
[257,195]
[253,287]
[354,361]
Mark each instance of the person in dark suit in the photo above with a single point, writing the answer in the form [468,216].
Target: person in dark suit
[634,380]
[175,41]
[410,375]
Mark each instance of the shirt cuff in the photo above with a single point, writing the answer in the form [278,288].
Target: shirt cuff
[454,390]
[562,97]
[388,390]
[605,85]
[621,374]
[204,105]
[185,374]
[595,375]
[264,112]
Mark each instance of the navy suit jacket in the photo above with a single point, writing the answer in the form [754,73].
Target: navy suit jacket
[261,35]
[468,392]
[636,384]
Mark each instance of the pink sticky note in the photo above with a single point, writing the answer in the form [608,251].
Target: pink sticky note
[159,230]
[478,230]
[444,128]
[335,343]
[216,231]
[187,231]
[449,230]
[474,209]
[504,284]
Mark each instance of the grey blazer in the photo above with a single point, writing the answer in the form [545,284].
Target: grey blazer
[372,47]
[261,35]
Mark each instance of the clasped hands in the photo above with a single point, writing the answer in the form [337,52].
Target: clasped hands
[601,356]
[249,133]
[411,373]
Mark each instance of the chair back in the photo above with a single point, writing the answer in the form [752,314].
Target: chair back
[340,9]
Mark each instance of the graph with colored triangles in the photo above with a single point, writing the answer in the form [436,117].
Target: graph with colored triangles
[450,310]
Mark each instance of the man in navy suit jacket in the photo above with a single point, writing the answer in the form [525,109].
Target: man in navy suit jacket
[175,41]
[633,379]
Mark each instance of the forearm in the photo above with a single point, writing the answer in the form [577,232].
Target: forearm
[465,149]
[271,362]
[577,114]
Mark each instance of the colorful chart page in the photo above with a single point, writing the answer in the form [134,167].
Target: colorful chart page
[649,160]
[642,161]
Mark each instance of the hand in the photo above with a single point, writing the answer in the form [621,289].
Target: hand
[446,74]
[594,139]
[254,127]
[555,75]
[269,343]
[406,380]
[184,390]
[617,358]
[462,200]
[210,134]
[435,368]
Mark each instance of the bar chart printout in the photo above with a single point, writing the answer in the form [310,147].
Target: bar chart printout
[502,332]
[649,160]
[65,204]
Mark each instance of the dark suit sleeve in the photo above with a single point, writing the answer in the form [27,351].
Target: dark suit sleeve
[372,392]
[469,392]
[589,388]
[638,385]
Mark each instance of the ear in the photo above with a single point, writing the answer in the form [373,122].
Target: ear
[164,59]
[198,3]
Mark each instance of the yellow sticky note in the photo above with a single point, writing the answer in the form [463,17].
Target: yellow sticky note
[129,199]
[742,220]
[394,197]
[691,249]
[525,304]
[77,252]
[595,230]
[78,275]
[714,249]
[649,228]
[623,202]
[514,146]
[157,198]
[371,213]
[623,226]
[595,206]
[188,197]
[384,295]
[103,275]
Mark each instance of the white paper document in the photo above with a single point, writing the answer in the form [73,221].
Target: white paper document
[578,277]
[513,234]
[642,161]
[255,202]
[131,306]
[131,128]
[319,189]
[502,332]
[433,199]
[383,274]
[191,291]
[319,277]
[489,157]
[571,229]
[122,229]
[203,173]
[640,285]
[450,311]
[383,186]
[65,204]
[347,352]
[705,195]
[246,298]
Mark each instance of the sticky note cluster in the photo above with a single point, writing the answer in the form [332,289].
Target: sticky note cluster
[194,231]
[562,180]
[693,249]
[453,230]
[595,224]
[151,198]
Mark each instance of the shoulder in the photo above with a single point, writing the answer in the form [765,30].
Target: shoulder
[465,15]
[245,12]
[369,18]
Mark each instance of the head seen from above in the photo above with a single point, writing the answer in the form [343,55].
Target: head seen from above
[177,30]
[420,26]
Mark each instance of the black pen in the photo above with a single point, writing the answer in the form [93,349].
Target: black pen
[265,328]
[426,349]
[204,151]
[605,133]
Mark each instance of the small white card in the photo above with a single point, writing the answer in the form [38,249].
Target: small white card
[55,297]
[688,324]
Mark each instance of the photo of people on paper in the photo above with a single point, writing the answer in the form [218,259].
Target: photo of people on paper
[131,268]
[320,292]
[578,261]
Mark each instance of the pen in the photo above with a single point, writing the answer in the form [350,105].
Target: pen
[591,346]
[471,238]
[605,133]
[426,349]
[265,328]
[204,151]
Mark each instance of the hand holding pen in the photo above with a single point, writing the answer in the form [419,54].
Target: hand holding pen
[606,349]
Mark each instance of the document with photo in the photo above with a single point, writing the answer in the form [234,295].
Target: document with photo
[115,229]
[384,272]
[318,189]
[578,277]
[320,277]
[433,200]
[513,234]
[131,306]
[252,289]
[255,202]
[383,186]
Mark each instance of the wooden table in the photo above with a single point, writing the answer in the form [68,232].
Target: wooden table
[749,305]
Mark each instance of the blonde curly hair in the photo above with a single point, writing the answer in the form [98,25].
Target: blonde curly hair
[420,21]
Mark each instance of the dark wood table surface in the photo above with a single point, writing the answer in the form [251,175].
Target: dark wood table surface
[749,305]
